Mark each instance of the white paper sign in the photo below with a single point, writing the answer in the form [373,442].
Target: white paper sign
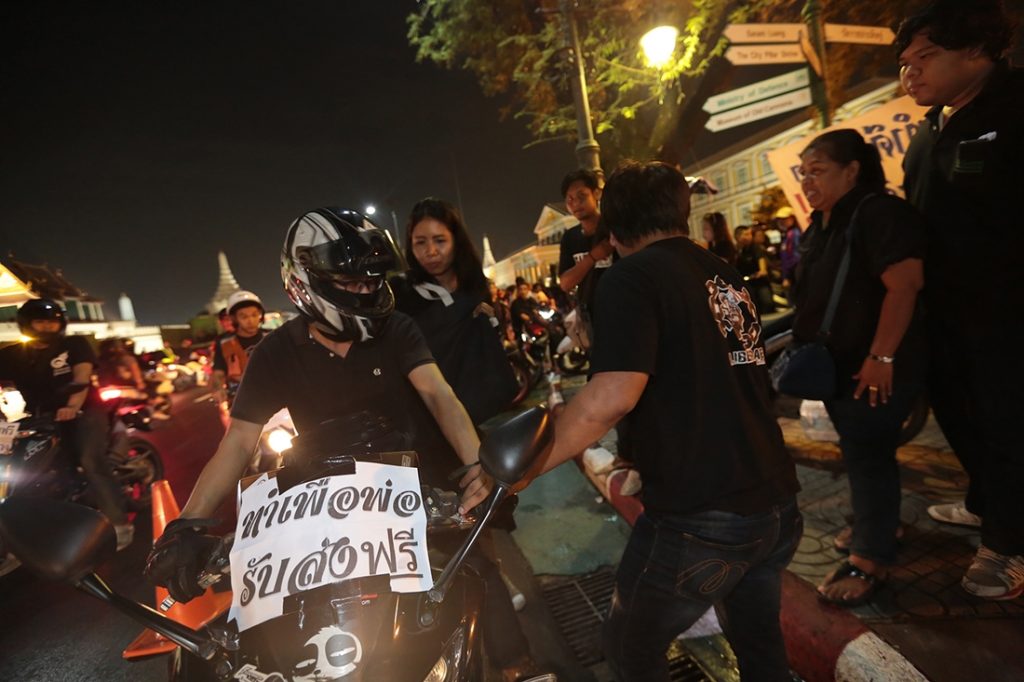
[325,531]
[7,433]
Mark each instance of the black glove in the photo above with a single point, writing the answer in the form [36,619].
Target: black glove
[179,555]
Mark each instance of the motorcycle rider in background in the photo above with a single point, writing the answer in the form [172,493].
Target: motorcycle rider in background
[231,351]
[44,365]
[346,353]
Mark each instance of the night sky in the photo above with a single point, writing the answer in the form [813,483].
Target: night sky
[139,138]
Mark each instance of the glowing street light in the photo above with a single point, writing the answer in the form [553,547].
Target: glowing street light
[658,45]
[371,209]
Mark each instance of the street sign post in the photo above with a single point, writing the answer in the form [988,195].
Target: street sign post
[763,33]
[864,35]
[741,55]
[756,92]
[759,110]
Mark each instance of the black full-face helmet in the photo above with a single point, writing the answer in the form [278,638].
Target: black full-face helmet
[41,309]
[327,246]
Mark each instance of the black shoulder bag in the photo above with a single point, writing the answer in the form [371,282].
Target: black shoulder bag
[807,370]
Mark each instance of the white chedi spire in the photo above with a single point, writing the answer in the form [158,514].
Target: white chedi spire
[488,260]
[226,285]
[125,307]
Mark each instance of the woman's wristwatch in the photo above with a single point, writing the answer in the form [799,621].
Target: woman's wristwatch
[884,359]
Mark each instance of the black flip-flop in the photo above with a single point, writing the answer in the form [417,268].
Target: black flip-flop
[848,570]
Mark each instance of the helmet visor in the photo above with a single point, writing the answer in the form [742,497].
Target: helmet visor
[366,253]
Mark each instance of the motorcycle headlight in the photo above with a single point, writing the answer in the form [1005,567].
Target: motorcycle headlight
[448,663]
[546,314]
[279,440]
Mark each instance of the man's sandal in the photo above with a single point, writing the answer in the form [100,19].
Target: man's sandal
[844,538]
[848,570]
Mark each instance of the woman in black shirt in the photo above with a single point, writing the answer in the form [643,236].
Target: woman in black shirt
[716,234]
[752,263]
[874,339]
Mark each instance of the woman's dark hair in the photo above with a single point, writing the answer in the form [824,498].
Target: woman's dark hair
[959,24]
[469,272]
[641,199]
[846,145]
[719,227]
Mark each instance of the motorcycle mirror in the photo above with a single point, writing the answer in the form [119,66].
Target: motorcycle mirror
[508,451]
[56,539]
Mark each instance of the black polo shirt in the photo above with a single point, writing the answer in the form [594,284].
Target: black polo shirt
[39,373]
[888,231]
[966,180]
[290,369]
[704,430]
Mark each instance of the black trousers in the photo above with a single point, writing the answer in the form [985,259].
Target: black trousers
[976,388]
[89,438]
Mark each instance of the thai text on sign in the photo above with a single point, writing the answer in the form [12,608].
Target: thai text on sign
[325,531]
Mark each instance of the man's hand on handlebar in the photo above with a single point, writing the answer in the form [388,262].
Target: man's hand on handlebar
[179,555]
[476,486]
[65,414]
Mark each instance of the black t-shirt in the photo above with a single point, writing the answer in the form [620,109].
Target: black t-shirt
[965,180]
[705,434]
[248,343]
[725,250]
[888,231]
[748,260]
[38,373]
[290,369]
[466,347]
[522,306]
[574,247]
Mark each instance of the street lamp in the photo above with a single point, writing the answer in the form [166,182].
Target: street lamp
[658,45]
[370,210]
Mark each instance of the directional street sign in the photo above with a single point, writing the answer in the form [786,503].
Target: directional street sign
[765,54]
[732,99]
[759,110]
[865,35]
[764,33]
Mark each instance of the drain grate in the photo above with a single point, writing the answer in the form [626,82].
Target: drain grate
[579,605]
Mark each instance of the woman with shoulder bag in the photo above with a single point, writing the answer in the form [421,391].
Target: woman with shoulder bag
[858,281]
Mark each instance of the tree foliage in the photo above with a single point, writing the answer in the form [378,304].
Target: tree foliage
[517,51]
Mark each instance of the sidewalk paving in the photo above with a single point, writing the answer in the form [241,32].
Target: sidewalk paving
[922,625]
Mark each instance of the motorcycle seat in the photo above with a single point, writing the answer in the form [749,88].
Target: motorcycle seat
[55,539]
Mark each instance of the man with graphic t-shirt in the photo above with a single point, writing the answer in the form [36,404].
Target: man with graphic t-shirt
[583,255]
[680,356]
[44,368]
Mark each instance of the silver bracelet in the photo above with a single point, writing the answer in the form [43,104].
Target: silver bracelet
[884,359]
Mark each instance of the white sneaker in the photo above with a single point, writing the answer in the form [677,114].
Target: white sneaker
[994,576]
[955,513]
[125,535]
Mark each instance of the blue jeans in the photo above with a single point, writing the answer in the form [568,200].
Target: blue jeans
[868,437]
[675,567]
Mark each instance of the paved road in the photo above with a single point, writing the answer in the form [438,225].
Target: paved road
[50,632]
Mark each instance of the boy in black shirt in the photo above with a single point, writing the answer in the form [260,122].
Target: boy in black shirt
[680,353]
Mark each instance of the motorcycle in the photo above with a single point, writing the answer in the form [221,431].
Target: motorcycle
[357,629]
[33,463]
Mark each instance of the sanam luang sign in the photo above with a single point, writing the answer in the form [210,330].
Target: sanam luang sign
[325,531]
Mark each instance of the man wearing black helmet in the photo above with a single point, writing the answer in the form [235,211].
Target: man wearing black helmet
[346,354]
[41,368]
